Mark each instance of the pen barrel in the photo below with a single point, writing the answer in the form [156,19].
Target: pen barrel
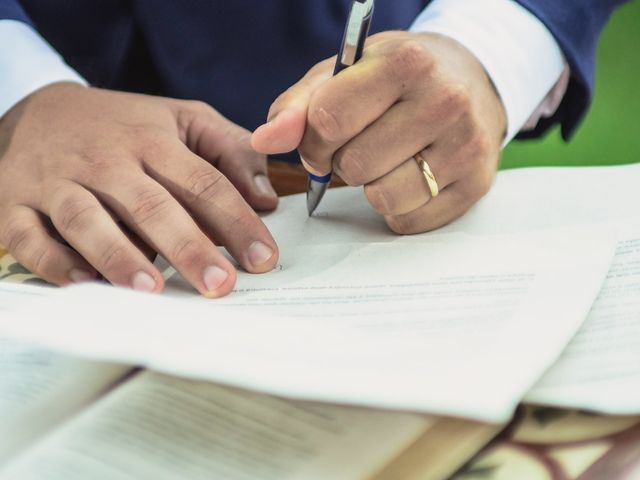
[349,49]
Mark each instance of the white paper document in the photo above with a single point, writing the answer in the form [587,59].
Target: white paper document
[600,369]
[459,321]
[452,324]
[39,388]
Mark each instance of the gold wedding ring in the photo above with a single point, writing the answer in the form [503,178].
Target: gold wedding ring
[428,175]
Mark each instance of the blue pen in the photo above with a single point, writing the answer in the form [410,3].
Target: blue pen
[351,50]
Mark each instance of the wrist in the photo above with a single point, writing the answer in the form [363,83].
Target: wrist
[520,55]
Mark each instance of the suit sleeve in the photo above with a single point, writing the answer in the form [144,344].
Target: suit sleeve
[31,63]
[12,10]
[576,26]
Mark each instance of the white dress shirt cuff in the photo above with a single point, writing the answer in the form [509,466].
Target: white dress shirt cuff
[28,63]
[518,52]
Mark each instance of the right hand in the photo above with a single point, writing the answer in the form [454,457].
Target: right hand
[89,179]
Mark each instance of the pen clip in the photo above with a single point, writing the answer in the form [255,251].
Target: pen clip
[357,30]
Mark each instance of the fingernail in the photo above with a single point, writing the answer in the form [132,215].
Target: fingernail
[263,185]
[77,275]
[143,282]
[259,254]
[214,277]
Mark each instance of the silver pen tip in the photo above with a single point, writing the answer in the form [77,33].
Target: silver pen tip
[315,192]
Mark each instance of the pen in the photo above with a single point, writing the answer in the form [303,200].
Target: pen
[351,50]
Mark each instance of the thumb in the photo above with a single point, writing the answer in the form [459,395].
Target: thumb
[287,118]
[284,132]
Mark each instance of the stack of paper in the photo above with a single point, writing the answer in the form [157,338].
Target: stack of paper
[460,322]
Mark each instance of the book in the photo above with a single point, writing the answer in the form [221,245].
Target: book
[64,418]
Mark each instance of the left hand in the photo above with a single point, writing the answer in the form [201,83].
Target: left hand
[411,93]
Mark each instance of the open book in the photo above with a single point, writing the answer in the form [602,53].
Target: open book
[63,418]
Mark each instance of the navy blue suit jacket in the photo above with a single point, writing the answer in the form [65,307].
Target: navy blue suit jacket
[239,55]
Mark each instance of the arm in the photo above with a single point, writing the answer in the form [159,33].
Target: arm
[12,10]
[455,89]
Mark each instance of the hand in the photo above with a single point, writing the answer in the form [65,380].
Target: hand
[411,93]
[89,178]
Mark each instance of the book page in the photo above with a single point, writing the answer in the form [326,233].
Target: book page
[600,369]
[161,427]
[38,388]
[451,324]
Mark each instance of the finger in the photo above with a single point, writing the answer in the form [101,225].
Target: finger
[147,250]
[287,117]
[405,129]
[227,147]
[84,223]
[344,106]
[405,188]
[140,244]
[247,171]
[451,204]
[217,206]
[162,223]
[26,237]
[399,192]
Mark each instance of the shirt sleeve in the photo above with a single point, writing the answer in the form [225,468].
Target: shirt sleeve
[28,65]
[518,52]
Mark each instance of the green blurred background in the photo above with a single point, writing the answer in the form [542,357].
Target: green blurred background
[611,133]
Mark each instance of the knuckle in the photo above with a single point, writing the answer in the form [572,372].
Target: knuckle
[456,99]
[150,142]
[477,149]
[189,111]
[147,205]
[73,214]
[204,186]
[411,59]
[96,162]
[398,225]
[240,223]
[380,199]
[186,252]
[112,258]
[21,240]
[43,261]
[17,235]
[326,124]
[200,107]
[350,164]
